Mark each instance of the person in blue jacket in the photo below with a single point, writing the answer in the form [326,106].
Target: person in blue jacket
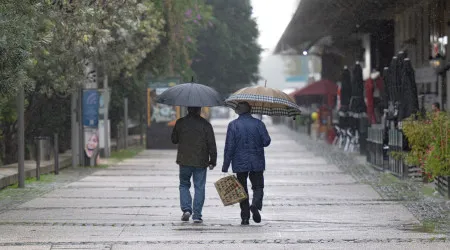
[244,150]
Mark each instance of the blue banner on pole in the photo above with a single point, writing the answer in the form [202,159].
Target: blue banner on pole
[90,108]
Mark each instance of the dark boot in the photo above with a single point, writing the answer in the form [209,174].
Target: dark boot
[256,216]
[245,222]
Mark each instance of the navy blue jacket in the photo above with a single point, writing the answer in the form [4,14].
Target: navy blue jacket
[244,145]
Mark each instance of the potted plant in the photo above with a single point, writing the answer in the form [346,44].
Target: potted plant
[429,141]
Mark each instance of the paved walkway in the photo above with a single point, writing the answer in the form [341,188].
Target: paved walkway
[309,204]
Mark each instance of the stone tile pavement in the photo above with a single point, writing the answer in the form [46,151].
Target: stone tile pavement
[310,203]
[429,209]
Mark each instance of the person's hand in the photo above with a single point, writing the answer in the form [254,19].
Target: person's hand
[211,167]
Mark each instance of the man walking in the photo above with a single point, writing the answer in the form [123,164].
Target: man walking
[244,149]
[196,151]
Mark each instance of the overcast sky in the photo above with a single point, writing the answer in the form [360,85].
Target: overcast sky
[272,17]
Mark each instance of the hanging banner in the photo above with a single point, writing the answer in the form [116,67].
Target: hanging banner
[90,108]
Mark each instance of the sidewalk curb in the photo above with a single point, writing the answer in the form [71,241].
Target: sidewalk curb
[65,160]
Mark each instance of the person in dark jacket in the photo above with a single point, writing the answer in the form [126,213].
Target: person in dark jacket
[196,151]
[244,150]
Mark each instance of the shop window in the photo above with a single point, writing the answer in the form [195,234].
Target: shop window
[437,25]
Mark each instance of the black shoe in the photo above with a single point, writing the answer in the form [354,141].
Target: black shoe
[198,221]
[245,222]
[186,215]
[256,216]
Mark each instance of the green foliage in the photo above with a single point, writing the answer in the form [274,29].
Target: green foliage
[16,31]
[228,53]
[430,143]
[418,133]
[116,36]
[8,117]
[185,20]
[44,45]
[45,178]
[8,111]
[125,153]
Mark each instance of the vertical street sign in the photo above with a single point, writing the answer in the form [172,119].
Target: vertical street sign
[90,121]
[90,108]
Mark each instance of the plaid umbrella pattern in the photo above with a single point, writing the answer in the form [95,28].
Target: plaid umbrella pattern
[265,101]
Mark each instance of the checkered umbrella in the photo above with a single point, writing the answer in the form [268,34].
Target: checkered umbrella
[265,101]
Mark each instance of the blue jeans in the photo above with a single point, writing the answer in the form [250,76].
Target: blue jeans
[199,176]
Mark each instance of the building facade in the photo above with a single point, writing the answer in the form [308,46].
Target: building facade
[342,32]
[423,30]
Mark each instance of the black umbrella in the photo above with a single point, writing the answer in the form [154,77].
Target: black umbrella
[346,87]
[393,87]
[357,104]
[400,71]
[409,102]
[346,93]
[386,87]
[191,95]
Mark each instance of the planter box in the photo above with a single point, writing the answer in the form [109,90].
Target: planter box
[442,186]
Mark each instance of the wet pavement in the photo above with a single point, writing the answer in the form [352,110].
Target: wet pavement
[309,203]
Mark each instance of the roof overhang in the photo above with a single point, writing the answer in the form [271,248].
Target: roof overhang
[314,20]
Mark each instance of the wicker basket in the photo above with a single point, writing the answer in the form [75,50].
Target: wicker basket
[230,190]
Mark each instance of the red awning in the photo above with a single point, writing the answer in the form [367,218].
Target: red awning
[322,87]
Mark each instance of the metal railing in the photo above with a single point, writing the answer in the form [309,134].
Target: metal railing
[397,165]
[442,186]
[375,149]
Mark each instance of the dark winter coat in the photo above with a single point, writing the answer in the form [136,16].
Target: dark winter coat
[196,142]
[244,146]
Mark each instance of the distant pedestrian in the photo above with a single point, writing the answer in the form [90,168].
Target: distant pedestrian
[244,150]
[196,151]
[436,107]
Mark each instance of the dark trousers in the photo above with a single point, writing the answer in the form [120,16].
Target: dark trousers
[257,180]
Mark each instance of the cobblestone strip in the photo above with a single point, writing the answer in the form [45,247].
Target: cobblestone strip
[327,203]
[230,242]
[270,198]
[428,209]
[203,227]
